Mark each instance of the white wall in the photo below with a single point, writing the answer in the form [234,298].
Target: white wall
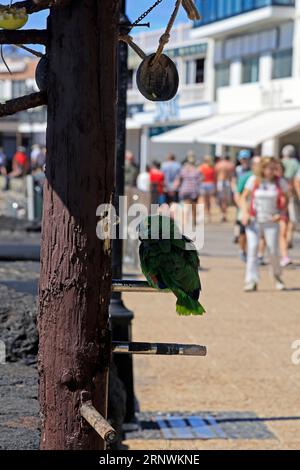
[239,98]
[259,96]
[6,89]
[235,73]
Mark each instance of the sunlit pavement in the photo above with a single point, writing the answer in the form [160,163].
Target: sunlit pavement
[249,337]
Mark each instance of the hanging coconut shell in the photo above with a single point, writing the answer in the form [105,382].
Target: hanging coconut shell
[158,82]
[12,17]
[41,73]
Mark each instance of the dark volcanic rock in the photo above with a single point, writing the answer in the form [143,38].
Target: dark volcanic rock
[18,325]
[19,410]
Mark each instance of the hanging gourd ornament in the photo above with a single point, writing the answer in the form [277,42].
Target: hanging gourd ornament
[157,76]
[157,81]
[12,17]
[41,73]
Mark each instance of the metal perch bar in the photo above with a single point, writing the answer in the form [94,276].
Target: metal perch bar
[96,420]
[162,349]
[125,285]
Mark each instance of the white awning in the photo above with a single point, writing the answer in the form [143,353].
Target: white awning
[240,130]
[252,132]
[201,130]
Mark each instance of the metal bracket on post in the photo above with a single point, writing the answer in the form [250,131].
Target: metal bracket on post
[125,285]
[163,349]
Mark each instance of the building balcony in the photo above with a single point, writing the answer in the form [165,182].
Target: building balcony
[187,94]
[223,17]
[257,97]
[191,94]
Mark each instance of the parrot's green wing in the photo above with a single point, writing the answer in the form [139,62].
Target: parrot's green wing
[180,273]
[150,262]
[169,264]
[170,260]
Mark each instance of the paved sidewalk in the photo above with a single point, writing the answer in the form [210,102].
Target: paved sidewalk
[249,339]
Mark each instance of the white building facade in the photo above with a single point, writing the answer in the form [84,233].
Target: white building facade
[194,100]
[252,78]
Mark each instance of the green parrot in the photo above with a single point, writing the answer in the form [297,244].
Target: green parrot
[169,260]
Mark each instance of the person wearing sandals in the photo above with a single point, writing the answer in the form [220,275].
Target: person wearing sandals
[263,201]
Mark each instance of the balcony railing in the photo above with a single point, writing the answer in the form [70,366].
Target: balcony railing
[216,10]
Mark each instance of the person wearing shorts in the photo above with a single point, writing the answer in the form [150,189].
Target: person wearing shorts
[224,173]
[208,184]
[188,184]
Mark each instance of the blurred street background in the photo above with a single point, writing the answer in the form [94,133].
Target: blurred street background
[229,141]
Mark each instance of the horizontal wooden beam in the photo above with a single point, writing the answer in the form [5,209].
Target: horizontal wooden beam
[24,36]
[24,102]
[33,6]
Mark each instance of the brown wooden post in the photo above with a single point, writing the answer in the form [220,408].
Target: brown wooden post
[75,281]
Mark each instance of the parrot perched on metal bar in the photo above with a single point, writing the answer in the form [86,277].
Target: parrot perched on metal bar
[191,10]
[169,260]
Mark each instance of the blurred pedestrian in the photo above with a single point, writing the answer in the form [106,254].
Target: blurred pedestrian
[188,184]
[157,179]
[290,161]
[291,168]
[297,185]
[263,201]
[20,166]
[3,163]
[283,223]
[171,169]
[243,173]
[41,158]
[224,174]
[35,150]
[208,184]
[131,170]
[20,163]
[143,180]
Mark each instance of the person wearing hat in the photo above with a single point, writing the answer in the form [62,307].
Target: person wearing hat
[243,173]
[290,161]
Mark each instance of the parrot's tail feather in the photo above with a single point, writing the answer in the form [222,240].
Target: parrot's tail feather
[187,306]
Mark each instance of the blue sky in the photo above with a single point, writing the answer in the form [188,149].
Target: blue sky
[158,17]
